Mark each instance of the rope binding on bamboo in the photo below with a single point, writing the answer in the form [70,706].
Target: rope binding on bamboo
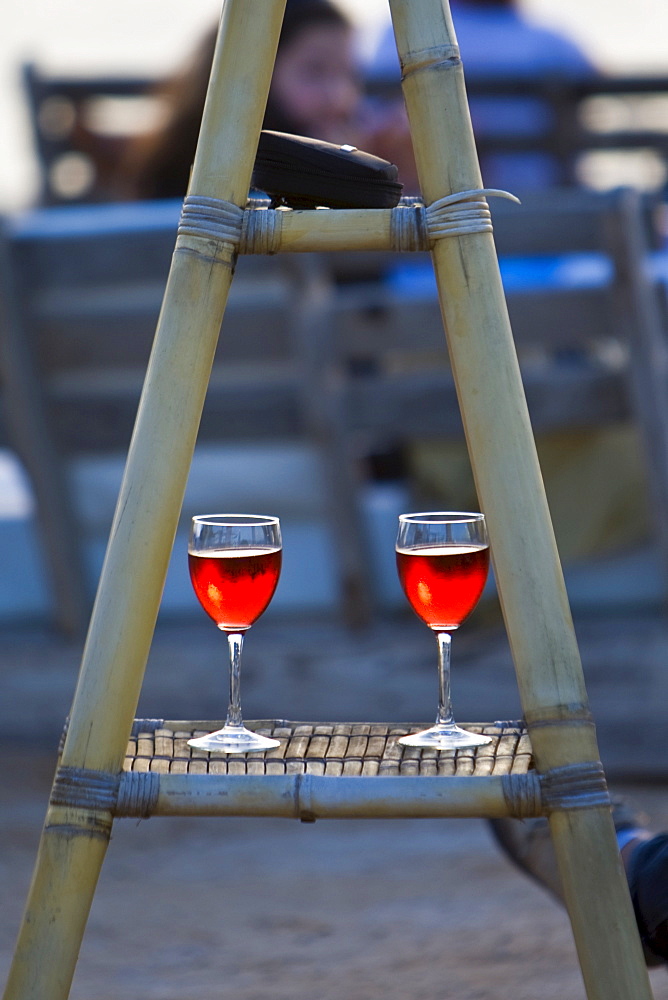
[211,219]
[575,786]
[84,788]
[462,213]
[522,793]
[138,794]
[135,794]
[414,226]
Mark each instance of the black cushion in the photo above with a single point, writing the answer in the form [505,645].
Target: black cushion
[307,173]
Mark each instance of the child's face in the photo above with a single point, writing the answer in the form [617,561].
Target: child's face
[316,82]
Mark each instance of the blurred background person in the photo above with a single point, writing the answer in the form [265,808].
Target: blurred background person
[316,91]
[497,42]
[500,45]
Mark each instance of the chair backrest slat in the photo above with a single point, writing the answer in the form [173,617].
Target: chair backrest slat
[84,288]
[587,324]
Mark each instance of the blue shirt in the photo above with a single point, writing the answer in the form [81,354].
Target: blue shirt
[498,42]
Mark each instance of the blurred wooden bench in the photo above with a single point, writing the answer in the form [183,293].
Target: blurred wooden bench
[598,130]
[605,130]
[588,320]
[81,289]
[600,126]
[80,125]
[344,365]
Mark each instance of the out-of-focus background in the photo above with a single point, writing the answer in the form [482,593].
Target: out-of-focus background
[41,43]
[353,909]
[154,37]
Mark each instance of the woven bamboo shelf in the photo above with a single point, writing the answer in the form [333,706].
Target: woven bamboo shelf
[335,749]
[320,770]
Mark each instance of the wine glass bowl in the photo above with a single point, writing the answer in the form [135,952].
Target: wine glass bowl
[443,562]
[234,562]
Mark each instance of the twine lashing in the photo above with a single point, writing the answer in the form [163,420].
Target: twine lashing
[575,786]
[138,794]
[416,227]
[522,793]
[211,219]
[84,788]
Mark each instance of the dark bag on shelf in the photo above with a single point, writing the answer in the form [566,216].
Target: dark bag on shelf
[306,173]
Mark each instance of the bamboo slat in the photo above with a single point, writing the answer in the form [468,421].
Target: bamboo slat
[297,231]
[370,748]
[376,776]
[314,795]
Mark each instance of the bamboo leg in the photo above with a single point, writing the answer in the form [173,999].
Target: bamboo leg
[74,841]
[511,492]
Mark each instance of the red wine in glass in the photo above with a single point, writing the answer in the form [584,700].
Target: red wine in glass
[443,583]
[442,562]
[234,562]
[234,586]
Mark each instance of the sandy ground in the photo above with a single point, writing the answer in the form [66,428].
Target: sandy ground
[259,909]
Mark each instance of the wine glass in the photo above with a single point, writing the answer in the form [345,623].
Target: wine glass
[234,562]
[442,561]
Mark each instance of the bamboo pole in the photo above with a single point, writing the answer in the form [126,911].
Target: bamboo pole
[301,231]
[295,796]
[74,842]
[511,492]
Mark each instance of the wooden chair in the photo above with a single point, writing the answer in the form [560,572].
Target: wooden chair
[81,295]
[80,127]
[604,126]
[565,782]
[601,129]
[587,320]
[597,130]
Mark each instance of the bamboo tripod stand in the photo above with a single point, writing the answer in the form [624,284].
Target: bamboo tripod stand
[78,824]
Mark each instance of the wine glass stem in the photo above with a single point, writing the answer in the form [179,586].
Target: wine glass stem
[235,641]
[445,716]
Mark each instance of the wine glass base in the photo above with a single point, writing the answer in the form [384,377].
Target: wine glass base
[233,739]
[445,738]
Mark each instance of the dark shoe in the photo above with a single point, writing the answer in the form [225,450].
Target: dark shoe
[647,873]
[528,844]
